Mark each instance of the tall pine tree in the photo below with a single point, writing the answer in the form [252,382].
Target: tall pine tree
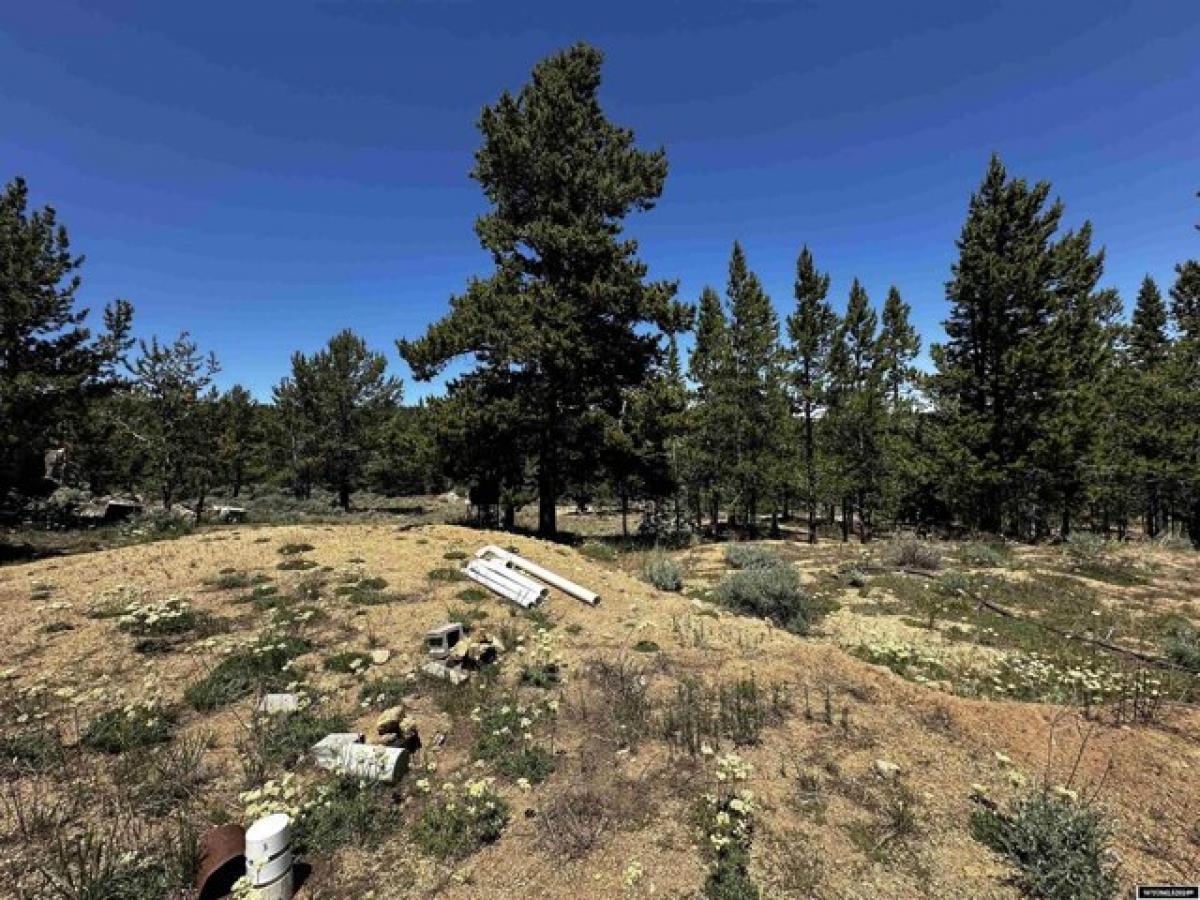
[566,319]
[810,331]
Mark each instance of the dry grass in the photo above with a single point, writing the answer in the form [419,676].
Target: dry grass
[611,801]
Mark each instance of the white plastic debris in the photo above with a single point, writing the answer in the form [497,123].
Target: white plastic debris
[269,857]
[327,752]
[279,703]
[373,761]
[497,579]
[509,560]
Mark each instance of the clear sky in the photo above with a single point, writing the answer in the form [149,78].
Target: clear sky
[266,173]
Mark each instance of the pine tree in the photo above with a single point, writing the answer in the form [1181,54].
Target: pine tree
[1134,437]
[1183,398]
[237,435]
[856,415]
[904,469]
[1080,346]
[755,395]
[899,345]
[50,365]
[1018,298]
[1148,340]
[169,413]
[708,416]
[810,330]
[341,397]
[566,318]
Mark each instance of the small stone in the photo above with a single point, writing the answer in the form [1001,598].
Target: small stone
[379,657]
[389,720]
[885,769]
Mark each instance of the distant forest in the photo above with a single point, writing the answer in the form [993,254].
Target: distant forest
[1046,409]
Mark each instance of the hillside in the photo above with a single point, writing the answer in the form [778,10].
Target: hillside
[863,777]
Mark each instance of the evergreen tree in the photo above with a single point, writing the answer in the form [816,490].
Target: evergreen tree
[169,413]
[342,397]
[755,398]
[564,320]
[237,435]
[1148,340]
[899,345]
[50,365]
[1079,345]
[810,330]
[1183,398]
[709,415]
[1002,385]
[856,416]
[904,466]
[1133,441]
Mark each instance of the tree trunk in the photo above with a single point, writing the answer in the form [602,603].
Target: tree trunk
[624,512]
[845,520]
[714,503]
[510,516]
[547,498]
[1194,522]
[344,497]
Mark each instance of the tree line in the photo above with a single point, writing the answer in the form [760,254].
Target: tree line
[1043,409]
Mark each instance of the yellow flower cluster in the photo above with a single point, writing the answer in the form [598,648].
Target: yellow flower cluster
[276,796]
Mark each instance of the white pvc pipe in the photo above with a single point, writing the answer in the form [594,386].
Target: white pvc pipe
[530,592]
[524,581]
[505,587]
[512,560]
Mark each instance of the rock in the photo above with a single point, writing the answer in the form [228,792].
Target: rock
[886,770]
[379,657]
[389,720]
[436,669]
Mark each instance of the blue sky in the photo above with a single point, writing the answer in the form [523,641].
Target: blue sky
[266,173]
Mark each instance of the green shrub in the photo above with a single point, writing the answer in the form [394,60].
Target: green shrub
[1057,846]
[598,551]
[36,750]
[909,554]
[456,823]
[366,592]
[293,549]
[502,742]
[752,556]
[286,739]
[128,728]
[983,556]
[472,595]
[388,691]
[1085,547]
[257,668]
[347,661]
[1182,647]
[455,554]
[663,572]
[296,565]
[645,646]
[172,616]
[347,812]
[772,593]
[446,574]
